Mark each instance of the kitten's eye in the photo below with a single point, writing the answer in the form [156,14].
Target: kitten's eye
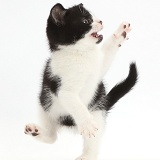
[85,21]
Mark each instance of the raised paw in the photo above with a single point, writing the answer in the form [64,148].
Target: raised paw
[31,129]
[88,128]
[121,34]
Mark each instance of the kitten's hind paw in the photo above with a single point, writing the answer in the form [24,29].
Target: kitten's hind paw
[81,158]
[31,129]
[85,157]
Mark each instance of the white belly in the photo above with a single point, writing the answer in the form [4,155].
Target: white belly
[80,75]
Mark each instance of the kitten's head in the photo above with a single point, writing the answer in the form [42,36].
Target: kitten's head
[68,26]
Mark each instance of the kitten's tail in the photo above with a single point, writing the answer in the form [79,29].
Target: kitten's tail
[122,88]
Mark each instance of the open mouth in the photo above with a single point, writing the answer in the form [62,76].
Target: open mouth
[96,35]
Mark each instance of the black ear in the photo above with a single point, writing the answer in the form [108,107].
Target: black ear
[57,13]
[80,5]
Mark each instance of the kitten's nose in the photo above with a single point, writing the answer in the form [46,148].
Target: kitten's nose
[100,22]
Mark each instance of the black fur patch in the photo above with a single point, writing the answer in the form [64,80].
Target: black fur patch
[45,98]
[122,88]
[51,84]
[99,100]
[66,121]
[66,26]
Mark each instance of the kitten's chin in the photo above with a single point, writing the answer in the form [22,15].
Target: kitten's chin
[97,36]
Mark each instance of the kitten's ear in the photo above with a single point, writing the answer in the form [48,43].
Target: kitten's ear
[80,5]
[57,13]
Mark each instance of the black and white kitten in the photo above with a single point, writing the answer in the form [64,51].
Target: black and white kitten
[73,94]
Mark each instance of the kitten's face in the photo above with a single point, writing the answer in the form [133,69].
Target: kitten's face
[67,26]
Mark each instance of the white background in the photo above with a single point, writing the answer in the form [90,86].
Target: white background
[133,126]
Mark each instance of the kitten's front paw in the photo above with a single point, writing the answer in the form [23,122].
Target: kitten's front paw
[31,129]
[121,34]
[88,128]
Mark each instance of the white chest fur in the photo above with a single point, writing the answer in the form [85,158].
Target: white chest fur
[79,70]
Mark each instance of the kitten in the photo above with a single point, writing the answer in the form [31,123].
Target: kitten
[73,94]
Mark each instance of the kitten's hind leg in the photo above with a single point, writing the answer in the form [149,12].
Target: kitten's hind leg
[46,131]
[39,133]
[91,145]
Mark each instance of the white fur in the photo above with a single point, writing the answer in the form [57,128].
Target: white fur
[81,67]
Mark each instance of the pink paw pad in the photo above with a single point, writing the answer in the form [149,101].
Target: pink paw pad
[121,33]
[31,130]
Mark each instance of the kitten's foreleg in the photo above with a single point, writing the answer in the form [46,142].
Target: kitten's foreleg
[91,145]
[46,132]
[74,106]
[112,45]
